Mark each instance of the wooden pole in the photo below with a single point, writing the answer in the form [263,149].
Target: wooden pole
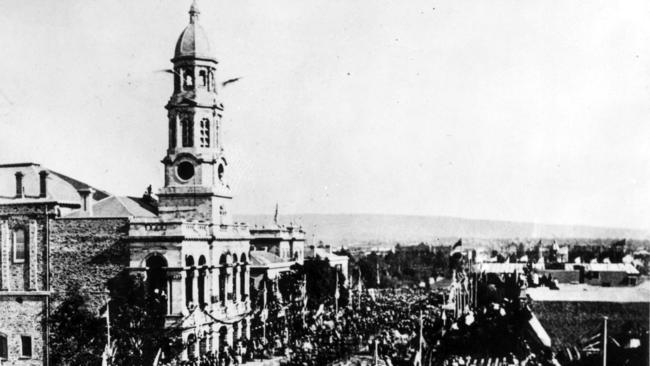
[420,343]
[108,323]
[604,341]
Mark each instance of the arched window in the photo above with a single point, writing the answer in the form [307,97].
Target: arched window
[205,132]
[187,132]
[189,280]
[203,77]
[201,282]
[220,171]
[188,79]
[19,245]
[242,282]
[157,279]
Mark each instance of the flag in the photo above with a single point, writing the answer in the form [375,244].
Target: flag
[456,247]
[275,215]
[378,277]
[417,360]
[523,259]
[156,359]
[320,311]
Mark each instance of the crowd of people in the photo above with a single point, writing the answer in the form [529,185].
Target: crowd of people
[407,326]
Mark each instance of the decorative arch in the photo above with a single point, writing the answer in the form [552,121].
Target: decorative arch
[225,259]
[156,282]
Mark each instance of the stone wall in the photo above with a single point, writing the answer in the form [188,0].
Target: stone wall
[87,251]
[29,275]
[23,316]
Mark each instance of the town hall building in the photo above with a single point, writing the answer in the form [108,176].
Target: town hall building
[56,231]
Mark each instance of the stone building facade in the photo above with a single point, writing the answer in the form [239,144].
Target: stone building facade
[56,231]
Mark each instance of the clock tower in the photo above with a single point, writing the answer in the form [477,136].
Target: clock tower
[195,165]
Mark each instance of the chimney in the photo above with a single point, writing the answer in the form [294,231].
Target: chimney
[43,183]
[86,200]
[20,190]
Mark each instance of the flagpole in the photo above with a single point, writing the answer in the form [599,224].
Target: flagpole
[605,341]
[108,323]
[336,295]
[420,343]
[264,310]
[360,288]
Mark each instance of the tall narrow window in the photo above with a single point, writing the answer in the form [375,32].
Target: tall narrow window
[4,351]
[26,343]
[172,132]
[188,79]
[187,132]
[203,77]
[205,132]
[19,245]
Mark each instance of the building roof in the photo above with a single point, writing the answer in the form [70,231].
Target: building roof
[262,258]
[324,253]
[504,267]
[193,42]
[611,267]
[60,187]
[116,206]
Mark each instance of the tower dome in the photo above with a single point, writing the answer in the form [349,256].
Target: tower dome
[193,42]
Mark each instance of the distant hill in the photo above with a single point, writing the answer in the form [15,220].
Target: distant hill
[351,229]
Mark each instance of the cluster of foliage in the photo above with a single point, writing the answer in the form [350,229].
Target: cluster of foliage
[79,334]
[137,317]
[404,266]
[321,280]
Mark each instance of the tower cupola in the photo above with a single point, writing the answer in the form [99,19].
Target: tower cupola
[195,164]
[193,41]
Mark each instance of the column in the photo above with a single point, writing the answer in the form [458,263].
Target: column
[238,331]
[33,255]
[230,336]
[195,348]
[185,352]
[4,255]
[247,282]
[247,330]
[177,292]
[214,345]
[236,281]
[195,286]
[215,284]
[228,283]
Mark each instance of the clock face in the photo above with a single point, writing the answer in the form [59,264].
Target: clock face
[185,170]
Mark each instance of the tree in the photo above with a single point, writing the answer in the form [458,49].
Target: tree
[321,282]
[78,335]
[137,321]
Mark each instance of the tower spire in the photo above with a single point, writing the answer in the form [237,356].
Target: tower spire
[194,12]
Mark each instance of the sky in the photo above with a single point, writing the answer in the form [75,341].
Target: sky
[525,111]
